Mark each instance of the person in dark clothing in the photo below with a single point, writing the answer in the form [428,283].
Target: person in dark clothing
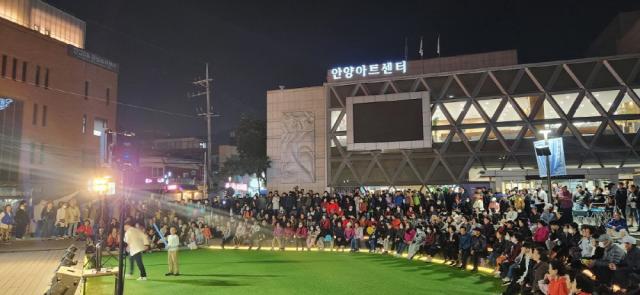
[488,231]
[451,245]
[627,271]
[465,247]
[48,220]
[621,199]
[478,247]
[22,220]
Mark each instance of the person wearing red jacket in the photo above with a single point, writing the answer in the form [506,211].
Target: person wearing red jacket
[301,236]
[85,231]
[332,207]
[541,234]
[289,232]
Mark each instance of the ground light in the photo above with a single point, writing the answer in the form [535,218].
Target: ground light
[486,270]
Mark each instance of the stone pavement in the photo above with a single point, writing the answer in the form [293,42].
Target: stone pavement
[27,267]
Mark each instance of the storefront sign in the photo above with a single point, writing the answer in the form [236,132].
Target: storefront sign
[362,71]
[5,102]
[92,58]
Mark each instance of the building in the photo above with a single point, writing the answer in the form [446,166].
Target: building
[168,161]
[456,120]
[56,101]
[621,36]
[225,152]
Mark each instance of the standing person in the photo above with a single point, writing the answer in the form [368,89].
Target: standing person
[417,242]
[465,247]
[451,243]
[173,242]
[61,222]
[632,201]
[48,215]
[137,242]
[73,218]
[278,234]
[227,235]
[22,220]
[6,223]
[540,199]
[621,199]
[37,218]
[478,247]
[301,236]
[565,205]
[359,235]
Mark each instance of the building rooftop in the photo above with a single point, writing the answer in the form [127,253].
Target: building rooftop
[45,19]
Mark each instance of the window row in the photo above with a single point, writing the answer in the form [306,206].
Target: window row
[21,70]
[13,68]
[586,128]
[548,110]
[564,103]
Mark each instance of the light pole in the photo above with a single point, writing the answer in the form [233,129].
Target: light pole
[545,133]
[103,186]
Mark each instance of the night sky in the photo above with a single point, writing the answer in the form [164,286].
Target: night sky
[254,46]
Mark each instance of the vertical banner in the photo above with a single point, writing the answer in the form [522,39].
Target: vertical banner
[556,159]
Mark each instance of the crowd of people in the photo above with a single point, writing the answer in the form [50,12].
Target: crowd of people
[528,238]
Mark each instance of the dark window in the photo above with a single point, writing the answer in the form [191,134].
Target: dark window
[84,123]
[44,116]
[86,90]
[34,120]
[108,95]
[46,78]
[14,72]
[4,65]
[32,153]
[41,161]
[24,71]
[37,75]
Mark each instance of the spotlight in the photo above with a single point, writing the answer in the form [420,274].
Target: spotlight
[69,254]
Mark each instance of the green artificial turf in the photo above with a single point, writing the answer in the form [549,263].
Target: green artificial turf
[208,271]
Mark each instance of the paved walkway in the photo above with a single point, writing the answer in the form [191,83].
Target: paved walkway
[27,267]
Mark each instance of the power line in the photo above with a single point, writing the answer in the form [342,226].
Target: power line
[95,98]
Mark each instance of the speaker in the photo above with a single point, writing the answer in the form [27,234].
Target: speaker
[67,281]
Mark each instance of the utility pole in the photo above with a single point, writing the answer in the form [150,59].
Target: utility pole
[208,113]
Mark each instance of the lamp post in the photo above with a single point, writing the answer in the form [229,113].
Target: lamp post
[102,186]
[545,133]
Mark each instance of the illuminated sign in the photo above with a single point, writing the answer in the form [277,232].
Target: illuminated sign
[362,71]
[236,186]
[92,58]
[5,102]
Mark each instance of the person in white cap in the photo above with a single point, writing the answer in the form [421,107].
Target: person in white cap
[613,254]
[627,271]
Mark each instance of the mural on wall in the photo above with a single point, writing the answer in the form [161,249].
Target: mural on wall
[298,156]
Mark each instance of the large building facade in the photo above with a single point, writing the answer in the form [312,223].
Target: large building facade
[482,114]
[56,101]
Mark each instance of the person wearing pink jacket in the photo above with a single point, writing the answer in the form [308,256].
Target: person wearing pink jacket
[542,233]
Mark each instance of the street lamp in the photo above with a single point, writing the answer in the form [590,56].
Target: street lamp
[103,186]
[546,152]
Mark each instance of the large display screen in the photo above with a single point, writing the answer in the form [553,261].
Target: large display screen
[388,121]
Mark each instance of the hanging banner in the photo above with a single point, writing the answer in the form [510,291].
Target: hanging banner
[556,159]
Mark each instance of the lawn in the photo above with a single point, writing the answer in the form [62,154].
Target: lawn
[207,271]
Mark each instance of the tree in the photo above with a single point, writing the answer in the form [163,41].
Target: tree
[251,142]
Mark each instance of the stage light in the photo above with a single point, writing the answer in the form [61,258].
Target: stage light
[102,185]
